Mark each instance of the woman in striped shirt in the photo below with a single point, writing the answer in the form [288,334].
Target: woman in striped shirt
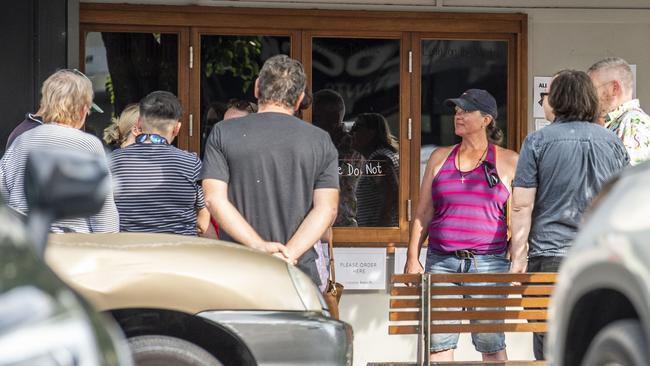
[462,209]
[65,102]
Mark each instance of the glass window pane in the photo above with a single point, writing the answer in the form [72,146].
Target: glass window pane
[366,74]
[125,67]
[448,69]
[229,67]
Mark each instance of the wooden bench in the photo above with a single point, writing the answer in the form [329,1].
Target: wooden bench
[419,300]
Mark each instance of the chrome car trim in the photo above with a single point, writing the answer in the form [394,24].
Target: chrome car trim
[288,338]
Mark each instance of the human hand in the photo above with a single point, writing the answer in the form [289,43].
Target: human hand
[518,265]
[285,258]
[413,266]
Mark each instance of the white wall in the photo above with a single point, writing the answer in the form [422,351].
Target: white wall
[577,38]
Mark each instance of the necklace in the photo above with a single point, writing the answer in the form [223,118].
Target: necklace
[478,162]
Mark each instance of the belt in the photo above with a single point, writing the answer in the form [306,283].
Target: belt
[465,254]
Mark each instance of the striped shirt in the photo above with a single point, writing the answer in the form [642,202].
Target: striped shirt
[157,188]
[468,214]
[54,137]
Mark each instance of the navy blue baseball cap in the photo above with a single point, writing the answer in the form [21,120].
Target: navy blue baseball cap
[475,100]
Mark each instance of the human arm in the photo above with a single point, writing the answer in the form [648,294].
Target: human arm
[317,221]
[327,235]
[523,193]
[523,202]
[232,222]
[202,220]
[424,213]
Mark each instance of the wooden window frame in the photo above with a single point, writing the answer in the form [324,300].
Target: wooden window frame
[513,131]
[183,91]
[195,92]
[411,27]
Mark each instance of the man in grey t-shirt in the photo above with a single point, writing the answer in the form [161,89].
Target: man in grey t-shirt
[270,178]
[561,168]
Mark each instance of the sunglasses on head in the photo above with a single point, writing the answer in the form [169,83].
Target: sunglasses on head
[491,175]
[152,137]
[93,107]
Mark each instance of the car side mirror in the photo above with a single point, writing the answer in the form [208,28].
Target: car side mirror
[62,184]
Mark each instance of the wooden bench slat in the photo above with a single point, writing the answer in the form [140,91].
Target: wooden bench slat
[402,329]
[478,277]
[471,328]
[530,302]
[475,290]
[470,315]
[405,278]
[494,277]
[404,303]
[489,328]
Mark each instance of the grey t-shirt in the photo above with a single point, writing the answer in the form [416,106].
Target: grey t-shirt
[272,163]
[568,163]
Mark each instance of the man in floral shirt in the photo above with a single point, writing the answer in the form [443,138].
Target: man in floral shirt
[621,114]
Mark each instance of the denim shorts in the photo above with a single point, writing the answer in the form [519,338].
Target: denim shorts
[486,263]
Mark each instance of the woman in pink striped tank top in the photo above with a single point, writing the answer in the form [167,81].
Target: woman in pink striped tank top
[462,210]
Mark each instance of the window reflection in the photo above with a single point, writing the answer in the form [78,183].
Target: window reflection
[356,99]
[124,67]
[448,69]
[377,191]
[229,67]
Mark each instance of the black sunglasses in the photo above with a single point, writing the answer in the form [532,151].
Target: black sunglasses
[491,175]
[542,95]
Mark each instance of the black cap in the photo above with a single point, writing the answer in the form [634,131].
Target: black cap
[475,100]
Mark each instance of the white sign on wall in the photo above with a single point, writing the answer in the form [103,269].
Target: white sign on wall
[361,268]
[540,85]
[400,259]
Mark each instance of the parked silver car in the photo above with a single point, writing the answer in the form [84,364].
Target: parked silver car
[600,311]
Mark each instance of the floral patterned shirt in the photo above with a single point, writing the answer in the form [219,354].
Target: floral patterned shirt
[632,125]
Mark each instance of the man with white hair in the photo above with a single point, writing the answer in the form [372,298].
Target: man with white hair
[619,112]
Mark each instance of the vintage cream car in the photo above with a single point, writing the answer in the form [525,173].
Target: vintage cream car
[192,301]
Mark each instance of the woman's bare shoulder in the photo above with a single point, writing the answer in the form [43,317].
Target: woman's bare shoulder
[440,153]
[507,155]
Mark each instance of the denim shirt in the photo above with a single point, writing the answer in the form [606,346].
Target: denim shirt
[568,163]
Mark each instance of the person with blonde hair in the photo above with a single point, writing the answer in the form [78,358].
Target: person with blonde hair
[123,130]
[66,100]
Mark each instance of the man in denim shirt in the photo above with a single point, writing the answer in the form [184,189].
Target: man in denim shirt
[561,168]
